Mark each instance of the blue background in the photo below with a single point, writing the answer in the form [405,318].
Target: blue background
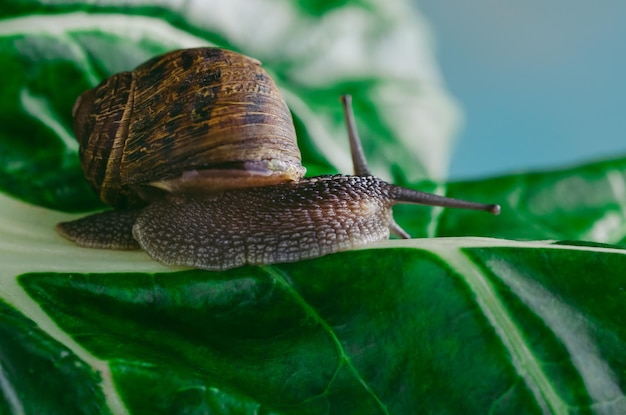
[542,84]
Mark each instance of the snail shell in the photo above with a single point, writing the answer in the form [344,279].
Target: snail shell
[208,129]
[203,118]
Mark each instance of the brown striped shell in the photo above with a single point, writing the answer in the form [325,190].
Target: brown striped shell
[192,120]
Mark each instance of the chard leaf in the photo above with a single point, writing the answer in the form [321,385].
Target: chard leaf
[580,203]
[419,326]
[53,51]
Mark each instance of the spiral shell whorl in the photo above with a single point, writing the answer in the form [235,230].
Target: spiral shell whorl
[102,135]
[207,111]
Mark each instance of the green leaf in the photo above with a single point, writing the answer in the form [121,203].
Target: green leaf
[39,374]
[586,202]
[426,326]
[54,55]
[440,325]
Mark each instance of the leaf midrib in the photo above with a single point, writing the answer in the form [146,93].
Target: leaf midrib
[525,362]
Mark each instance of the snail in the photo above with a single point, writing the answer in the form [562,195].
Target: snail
[196,152]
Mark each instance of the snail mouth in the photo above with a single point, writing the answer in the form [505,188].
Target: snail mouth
[232,175]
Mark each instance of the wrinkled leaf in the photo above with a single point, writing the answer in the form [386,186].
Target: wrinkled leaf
[67,47]
[426,325]
[586,202]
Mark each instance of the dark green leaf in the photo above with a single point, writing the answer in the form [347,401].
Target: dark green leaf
[39,375]
[67,47]
[586,202]
[498,327]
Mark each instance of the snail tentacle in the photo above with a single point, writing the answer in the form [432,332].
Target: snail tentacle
[411,196]
[359,161]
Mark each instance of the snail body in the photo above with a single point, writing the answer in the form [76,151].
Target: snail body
[248,204]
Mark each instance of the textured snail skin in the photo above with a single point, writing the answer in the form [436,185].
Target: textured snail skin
[266,225]
[108,230]
[281,223]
